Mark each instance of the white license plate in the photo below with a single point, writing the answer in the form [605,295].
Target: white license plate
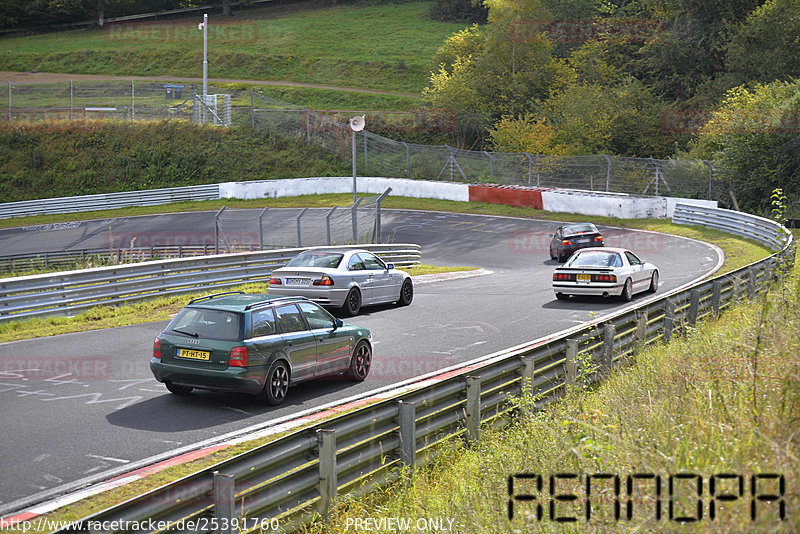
[298,281]
[584,240]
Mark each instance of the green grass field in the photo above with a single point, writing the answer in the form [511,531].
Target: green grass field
[385,47]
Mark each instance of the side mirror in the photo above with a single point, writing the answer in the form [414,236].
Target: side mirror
[550,236]
[390,266]
[339,324]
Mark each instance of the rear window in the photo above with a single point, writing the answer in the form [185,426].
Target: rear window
[596,259]
[329,260]
[205,323]
[579,228]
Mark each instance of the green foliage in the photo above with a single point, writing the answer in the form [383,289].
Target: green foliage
[470,11]
[87,158]
[778,201]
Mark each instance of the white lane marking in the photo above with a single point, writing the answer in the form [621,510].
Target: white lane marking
[109,459]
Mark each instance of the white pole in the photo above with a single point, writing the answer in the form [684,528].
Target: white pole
[354,168]
[205,64]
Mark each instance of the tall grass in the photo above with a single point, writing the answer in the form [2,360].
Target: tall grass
[722,399]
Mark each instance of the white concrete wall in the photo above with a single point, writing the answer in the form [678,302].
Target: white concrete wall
[318,186]
[615,205]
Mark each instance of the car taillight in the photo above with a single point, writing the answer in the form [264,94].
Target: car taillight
[238,357]
[604,278]
[157,348]
[274,281]
[599,238]
[563,276]
[566,242]
[324,281]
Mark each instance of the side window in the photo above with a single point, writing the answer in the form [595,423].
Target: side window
[372,262]
[632,259]
[289,319]
[355,263]
[264,323]
[316,316]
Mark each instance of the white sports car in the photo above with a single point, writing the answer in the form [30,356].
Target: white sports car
[342,278]
[605,272]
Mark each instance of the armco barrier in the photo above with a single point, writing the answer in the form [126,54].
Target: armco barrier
[74,291]
[288,482]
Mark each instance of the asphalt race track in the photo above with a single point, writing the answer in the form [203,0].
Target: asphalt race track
[93,405]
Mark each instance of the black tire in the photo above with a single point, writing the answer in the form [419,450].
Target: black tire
[352,304]
[276,384]
[562,296]
[653,282]
[627,290]
[562,258]
[360,362]
[406,293]
[178,390]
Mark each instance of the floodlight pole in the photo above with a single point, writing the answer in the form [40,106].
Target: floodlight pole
[205,65]
[354,166]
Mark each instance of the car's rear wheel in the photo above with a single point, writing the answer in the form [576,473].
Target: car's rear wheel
[562,296]
[352,304]
[627,290]
[276,385]
[562,258]
[653,282]
[360,362]
[178,390]
[406,293]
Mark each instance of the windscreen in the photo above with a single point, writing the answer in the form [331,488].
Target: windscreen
[328,260]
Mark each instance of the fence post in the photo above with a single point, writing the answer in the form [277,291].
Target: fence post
[530,167]
[308,127]
[716,295]
[224,502]
[261,228]
[769,270]
[354,216]
[751,282]
[571,363]
[377,236]
[216,230]
[328,223]
[326,441]
[528,369]
[299,236]
[252,111]
[736,288]
[9,102]
[608,347]
[133,102]
[408,159]
[669,320]
[694,306]
[473,408]
[366,162]
[608,173]
[710,176]
[641,330]
[71,90]
[408,434]
[491,164]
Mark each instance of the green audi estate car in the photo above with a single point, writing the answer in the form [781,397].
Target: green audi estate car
[257,344]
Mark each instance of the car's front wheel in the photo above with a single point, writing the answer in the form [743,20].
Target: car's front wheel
[178,390]
[360,362]
[627,290]
[406,293]
[352,304]
[276,385]
[653,282]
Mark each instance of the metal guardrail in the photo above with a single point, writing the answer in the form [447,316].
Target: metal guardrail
[70,292]
[286,483]
[108,201]
[744,225]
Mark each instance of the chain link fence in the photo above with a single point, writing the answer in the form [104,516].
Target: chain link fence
[376,155]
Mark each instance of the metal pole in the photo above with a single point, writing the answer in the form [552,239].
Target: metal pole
[491,164]
[530,167]
[571,363]
[408,434]
[378,214]
[710,176]
[299,241]
[608,346]
[366,166]
[354,216]
[308,127]
[9,102]
[261,228]
[252,111]
[224,502]
[354,168]
[216,230]
[473,408]
[328,223]
[408,159]
[133,102]
[326,440]
[70,99]
[205,65]
[608,173]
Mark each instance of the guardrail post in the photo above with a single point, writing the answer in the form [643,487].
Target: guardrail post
[769,270]
[736,289]
[608,347]
[261,228]
[716,295]
[224,502]
[328,224]
[377,236]
[694,306]
[473,408]
[528,369]
[669,320]
[326,440]
[751,282]
[641,331]
[408,434]
[571,362]
[299,236]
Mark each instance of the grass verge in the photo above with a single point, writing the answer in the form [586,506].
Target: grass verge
[724,398]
